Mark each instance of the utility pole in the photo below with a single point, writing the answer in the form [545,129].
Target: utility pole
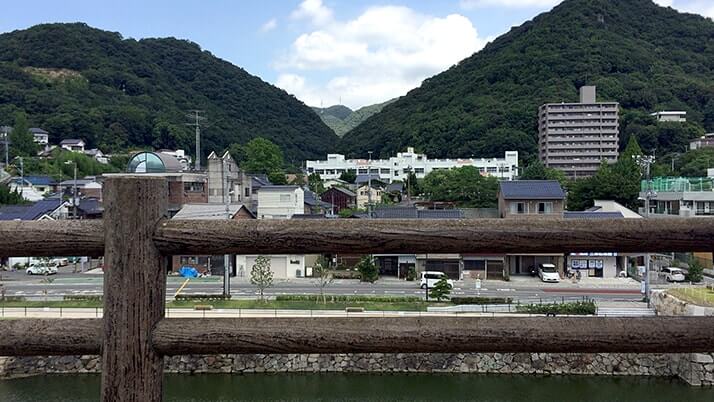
[369,185]
[195,115]
[6,142]
[226,257]
[646,161]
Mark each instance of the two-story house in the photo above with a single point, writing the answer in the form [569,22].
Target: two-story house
[364,198]
[340,197]
[280,202]
[73,144]
[530,197]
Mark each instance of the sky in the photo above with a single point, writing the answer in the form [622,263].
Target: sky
[325,52]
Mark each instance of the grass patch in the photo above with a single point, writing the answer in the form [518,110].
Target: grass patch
[53,303]
[698,296]
[577,308]
[304,305]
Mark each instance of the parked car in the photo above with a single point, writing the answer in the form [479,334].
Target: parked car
[61,261]
[548,273]
[42,269]
[429,279]
[673,274]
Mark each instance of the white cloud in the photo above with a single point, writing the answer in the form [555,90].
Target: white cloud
[379,55]
[314,11]
[269,25]
[471,4]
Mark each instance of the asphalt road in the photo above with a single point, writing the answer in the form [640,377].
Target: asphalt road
[66,283]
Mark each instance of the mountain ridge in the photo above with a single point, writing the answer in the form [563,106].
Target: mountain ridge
[134,93]
[642,55]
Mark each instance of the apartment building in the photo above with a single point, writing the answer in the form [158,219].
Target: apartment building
[398,167]
[680,196]
[577,137]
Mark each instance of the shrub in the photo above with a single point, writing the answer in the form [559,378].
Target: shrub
[97,298]
[441,290]
[200,297]
[345,274]
[13,298]
[352,298]
[368,269]
[576,308]
[411,274]
[480,300]
[695,271]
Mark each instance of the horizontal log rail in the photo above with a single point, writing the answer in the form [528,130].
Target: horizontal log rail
[372,236]
[135,239]
[182,336]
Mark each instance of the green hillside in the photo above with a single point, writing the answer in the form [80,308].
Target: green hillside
[644,56]
[77,81]
[342,119]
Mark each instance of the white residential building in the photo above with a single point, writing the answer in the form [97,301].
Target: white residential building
[674,116]
[72,144]
[280,202]
[40,136]
[398,167]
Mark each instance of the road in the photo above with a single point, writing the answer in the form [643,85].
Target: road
[522,289]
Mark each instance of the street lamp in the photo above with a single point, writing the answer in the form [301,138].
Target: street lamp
[645,161]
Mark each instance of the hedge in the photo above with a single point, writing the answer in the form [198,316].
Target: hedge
[200,297]
[576,308]
[97,298]
[480,300]
[351,298]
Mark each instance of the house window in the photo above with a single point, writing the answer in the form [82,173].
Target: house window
[193,187]
[545,207]
[491,169]
[419,170]
[284,197]
[362,171]
[247,191]
[384,171]
[519,208]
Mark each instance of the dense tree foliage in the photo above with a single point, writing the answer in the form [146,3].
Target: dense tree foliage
[644,56]
[465,186]
[21,140]
[262,156]
[10,197]
[619,182]
[695,163]
[314,183]
[536,170]
[349,176]
[77,81]
[60,165]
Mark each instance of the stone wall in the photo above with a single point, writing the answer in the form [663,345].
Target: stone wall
[515,363]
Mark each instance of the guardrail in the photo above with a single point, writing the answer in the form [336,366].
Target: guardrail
[133,336]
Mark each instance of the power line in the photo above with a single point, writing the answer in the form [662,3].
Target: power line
[196,122]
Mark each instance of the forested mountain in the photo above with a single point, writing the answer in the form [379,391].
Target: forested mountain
[342,119]
[644,56]
[77,81]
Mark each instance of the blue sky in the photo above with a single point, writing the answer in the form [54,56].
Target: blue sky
[358,52]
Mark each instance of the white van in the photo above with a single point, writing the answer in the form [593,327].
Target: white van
[429,279]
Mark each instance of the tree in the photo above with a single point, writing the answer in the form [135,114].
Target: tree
[413,188]
[465,186]
[22,142]
[260,275]
[237,152]
[277,177]
[314,182]
[536,170]
[8,197]
[262,156]
[441,290]
[368,269]
[695,270]
[349,176]
[321,271]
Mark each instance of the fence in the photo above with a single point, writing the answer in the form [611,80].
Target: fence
[133,336]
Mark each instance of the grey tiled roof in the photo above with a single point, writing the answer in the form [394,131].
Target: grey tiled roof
[592,215]
[532,190]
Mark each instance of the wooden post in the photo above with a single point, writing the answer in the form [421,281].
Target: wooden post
[134,288]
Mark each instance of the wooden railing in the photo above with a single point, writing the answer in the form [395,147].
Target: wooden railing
[137,242]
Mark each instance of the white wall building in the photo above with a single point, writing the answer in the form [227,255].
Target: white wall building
[280,202]
[363,197]
[283,266]
[398,167]
[674,116]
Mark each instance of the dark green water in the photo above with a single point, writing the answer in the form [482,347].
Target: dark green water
[368,388]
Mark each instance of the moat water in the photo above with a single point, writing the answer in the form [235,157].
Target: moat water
[368,387]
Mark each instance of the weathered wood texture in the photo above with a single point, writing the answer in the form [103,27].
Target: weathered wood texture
[45,337]
[134,288]
[435,335]
[51,238]
[434,236]
[176,336]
